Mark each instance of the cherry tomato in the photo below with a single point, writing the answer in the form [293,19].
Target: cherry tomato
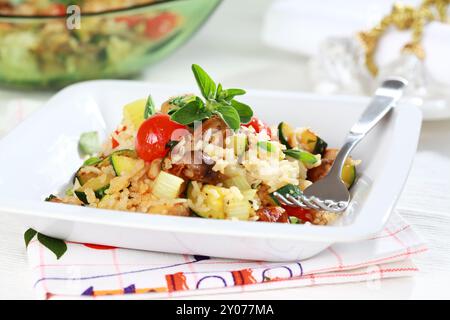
[58,10]
[161,25]
[258,126]
[154,134]
[130,21]
[300,213]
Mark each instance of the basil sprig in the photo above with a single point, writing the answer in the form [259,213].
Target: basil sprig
[218,101]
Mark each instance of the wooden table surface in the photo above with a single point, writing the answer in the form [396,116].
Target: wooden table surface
[233,52]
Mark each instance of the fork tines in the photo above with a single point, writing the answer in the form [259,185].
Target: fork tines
[311,203]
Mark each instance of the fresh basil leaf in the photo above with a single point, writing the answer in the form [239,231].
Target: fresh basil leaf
[244,111]
[219,91]
[149,108]
[229,94]
[205,83]
[181,101]
[28,236]
[191,112]
[57,246]
[230,116]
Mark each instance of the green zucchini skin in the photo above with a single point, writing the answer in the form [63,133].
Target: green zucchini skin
[320,146]
[349,175]
[287,189]
[282,134]
[99,194]
[50,198]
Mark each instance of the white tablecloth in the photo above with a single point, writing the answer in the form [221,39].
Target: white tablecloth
[235,55]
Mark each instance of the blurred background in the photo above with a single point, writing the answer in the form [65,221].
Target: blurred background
[326,47]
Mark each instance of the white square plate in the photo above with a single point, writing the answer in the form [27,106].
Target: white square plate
[40,156]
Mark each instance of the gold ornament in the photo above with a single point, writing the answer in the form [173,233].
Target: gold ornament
[404,17]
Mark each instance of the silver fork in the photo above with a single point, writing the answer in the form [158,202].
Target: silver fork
[330,193]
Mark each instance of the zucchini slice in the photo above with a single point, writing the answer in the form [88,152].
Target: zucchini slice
[285,132]
[89,143]
[92,161]
[126,152]
[99,185]
[122,164]
[348,175]
[287,189]
[303,156]
[238,209]
[239,182]
[213,200]
[84,177]
[312,143]
[167,186]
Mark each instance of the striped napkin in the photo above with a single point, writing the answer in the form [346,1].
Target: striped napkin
[93,271]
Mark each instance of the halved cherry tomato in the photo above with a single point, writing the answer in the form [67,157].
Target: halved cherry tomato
[58,9]
[300,213]
[161,25]
[258,126]
[131,21]
[154,134]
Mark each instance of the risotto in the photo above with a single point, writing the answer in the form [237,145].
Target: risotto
[208,156]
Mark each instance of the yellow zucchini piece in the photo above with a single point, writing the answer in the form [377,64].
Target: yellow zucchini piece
[134,112]
[167,186]
[237,208]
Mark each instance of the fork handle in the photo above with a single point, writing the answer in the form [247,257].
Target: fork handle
[385,98]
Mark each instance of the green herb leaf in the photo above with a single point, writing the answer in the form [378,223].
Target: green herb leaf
[91,161]
[57,246]
[149,108]
[205,83]
[89,142]
[244,111]
[219,91]
[181,101]
[191,112]
[229,94]
[301,155]
[28,236]
[230,116]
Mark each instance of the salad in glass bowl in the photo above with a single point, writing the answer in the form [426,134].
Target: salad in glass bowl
[114,39]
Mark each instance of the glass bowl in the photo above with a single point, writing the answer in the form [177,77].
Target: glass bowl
[54,51]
